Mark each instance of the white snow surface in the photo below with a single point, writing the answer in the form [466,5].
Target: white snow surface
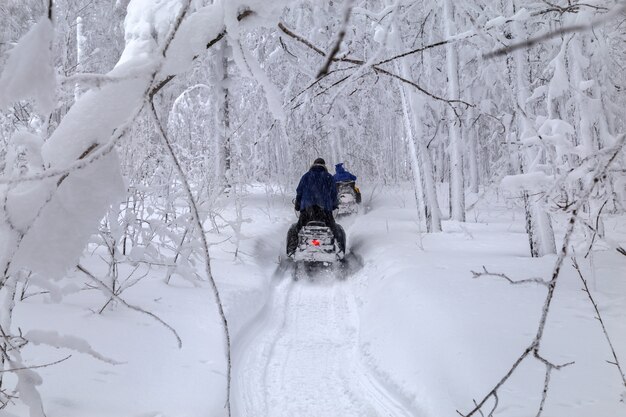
[411,333]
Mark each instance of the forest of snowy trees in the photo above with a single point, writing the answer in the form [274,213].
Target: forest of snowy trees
[127,125]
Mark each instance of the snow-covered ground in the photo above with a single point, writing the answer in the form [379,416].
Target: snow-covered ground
[410,333]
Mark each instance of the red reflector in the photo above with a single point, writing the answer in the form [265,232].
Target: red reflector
[315,242]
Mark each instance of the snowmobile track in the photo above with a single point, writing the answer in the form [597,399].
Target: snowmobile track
[301,357]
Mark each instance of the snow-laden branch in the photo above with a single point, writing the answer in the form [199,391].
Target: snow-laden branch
[494,23]
[89,80]
[620,8]
[54,339]
[55,207]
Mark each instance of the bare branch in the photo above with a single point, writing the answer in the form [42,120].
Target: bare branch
[418,50]
[599,317]
[596,228]
[116,297]
[549,368]
[342,33]
[36,366]
[318,80]
[598,175]
[494,390]
[300,39]
[375,67]
[205,246]
[404,80]
[571,8]
[486,273]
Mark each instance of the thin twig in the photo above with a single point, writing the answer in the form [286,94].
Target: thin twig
[342,33]
[599,174]
[599,317]
[595,230]
[360,62]
[546,383]
[397,77]
[24,368]
[484,273]
[205,246]
[114,296]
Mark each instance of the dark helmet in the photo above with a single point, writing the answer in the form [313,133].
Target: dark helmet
[319,161]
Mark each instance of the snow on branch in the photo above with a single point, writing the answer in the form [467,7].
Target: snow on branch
[570,8]
[54,339]
[29,70]
[558,32]
[521,15]
[158,86]
[87,80]
[44,244]
[91,154]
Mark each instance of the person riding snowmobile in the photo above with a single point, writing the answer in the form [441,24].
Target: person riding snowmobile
[343,175]
[316,197]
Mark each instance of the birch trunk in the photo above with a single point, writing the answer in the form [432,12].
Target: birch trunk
[7,303]
[80,53]
[472,151]
[420,160]
[223,117]
[591,117]
[538,222]
[457,191]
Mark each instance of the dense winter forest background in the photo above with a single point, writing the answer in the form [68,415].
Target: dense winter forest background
[127,126]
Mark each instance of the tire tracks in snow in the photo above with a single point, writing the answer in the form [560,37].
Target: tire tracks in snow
[262,332]
[301,357]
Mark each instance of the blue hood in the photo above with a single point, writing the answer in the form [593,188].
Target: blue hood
[342,175]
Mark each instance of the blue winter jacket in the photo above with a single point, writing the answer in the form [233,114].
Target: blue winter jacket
[316,188]
[342,175]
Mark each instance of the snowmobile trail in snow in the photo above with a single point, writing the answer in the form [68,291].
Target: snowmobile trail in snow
[301,357]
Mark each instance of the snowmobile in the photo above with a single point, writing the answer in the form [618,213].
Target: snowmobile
[317,253]
[349,198]
[317,245]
